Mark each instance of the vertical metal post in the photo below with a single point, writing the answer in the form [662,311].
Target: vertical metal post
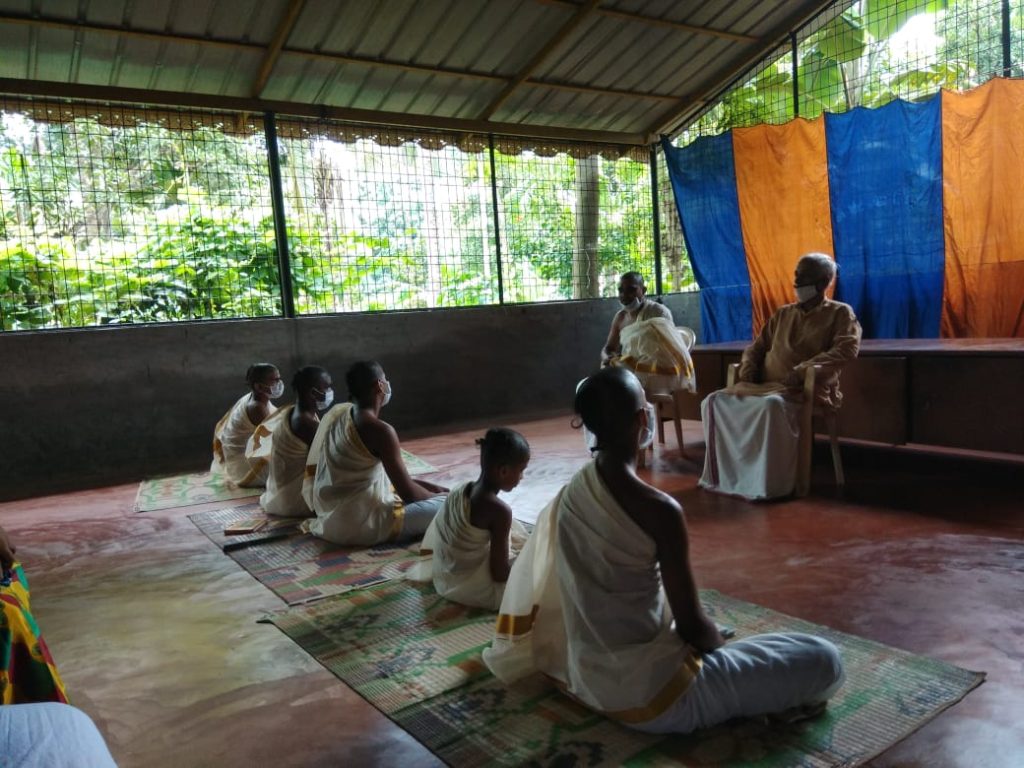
[1007,53]
[656,219]
[284,268]
[796,75]
[497,226]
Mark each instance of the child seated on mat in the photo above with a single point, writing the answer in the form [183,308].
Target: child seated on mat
[288,435]
[233,431]
[473,538]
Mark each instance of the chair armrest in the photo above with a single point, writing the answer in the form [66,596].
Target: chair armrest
[732,374]
[810,374]
[688,336]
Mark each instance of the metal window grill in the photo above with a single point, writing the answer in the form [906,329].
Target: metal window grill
[384,219]
[116,214]
[1016,41]
[868,55]
[765,96]
[572,220]
[676,273]
[878,52]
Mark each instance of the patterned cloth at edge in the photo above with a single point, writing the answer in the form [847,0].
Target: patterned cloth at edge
[27,671]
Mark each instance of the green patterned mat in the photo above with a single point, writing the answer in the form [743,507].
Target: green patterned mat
[186,491]
[416,465]
[203,487]
[416,657]
[301,567]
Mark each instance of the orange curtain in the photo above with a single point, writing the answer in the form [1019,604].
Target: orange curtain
[782,186]
[983,210]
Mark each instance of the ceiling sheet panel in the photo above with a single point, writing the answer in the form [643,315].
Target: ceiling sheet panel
[18,7]
[487,28]
[529,30]
[333,27]
[452,31]
[300,80]
[14,62]
[208,72]
[494,36]
[54,50]
[377,35]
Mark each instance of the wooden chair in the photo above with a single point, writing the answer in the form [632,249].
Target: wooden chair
[809,410]
[668,405]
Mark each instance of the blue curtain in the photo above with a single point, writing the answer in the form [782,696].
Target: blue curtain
[703,179]
[885,179]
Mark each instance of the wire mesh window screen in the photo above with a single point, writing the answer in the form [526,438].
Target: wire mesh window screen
[1017,38]
[382,220]
[676,273]
[879,51]
[872,53]
[113,214]
[571,225]
[971,34]
[764,97]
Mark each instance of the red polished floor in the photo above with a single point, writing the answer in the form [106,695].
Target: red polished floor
[154,629]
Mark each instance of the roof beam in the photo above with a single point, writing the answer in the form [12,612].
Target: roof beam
[284,28]
[213,102]
[335,58]
[672,118]
[654,21]
[582,12]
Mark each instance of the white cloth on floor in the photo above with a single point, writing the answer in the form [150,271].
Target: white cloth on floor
[584,605]
[459,553]
[230,439]
[758,675]
[50,735]
[286,467]
[752,442]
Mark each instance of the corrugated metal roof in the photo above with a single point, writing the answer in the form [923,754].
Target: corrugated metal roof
[629,67]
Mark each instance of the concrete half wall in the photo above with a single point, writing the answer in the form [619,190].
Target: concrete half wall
[102,406]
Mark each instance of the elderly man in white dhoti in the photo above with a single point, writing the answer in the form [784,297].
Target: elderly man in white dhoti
[232,433]
[752,429]
[603,600]
[644,339]
[356,481]
[283,442]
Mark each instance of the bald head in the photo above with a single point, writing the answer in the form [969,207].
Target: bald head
[816,267]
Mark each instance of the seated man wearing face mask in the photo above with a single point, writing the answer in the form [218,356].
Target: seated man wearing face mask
[232,433]
[644,339]
[356,481]
[752,430]
[283,441]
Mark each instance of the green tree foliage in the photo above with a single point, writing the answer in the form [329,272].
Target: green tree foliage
[104,220]
[854,60]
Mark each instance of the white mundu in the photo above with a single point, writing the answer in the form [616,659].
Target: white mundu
[654,350]
[287,467]
[230,438]
[584,605]
[752,433]
[459,563]
[347,487]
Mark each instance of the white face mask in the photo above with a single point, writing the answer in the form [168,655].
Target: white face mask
[633,306]
[805,293]
[387,392]
[322,404]
[647,433]
[276,389]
